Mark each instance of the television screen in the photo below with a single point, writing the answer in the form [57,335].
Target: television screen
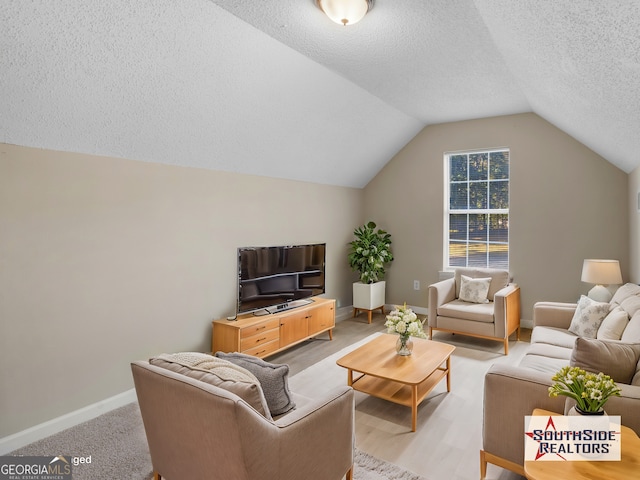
[276,278]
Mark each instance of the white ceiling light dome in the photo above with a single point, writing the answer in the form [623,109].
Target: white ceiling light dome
[345,12]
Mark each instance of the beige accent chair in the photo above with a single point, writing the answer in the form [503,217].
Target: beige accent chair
[196,430]
[496,320]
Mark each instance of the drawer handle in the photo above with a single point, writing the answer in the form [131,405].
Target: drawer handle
[261,339]
[261,352]
[261,328]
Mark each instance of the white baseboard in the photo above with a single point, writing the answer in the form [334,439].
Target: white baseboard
[50,427]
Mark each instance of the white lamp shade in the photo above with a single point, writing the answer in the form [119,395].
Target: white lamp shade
[345,12]
[601,272]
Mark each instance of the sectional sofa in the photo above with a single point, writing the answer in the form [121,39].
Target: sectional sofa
[595,337]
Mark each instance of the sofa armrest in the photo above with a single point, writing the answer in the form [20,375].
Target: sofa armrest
[326,425]
[506,310]
[510,394]
[440,293]
[553,314]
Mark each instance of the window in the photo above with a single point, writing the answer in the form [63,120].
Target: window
[477,214]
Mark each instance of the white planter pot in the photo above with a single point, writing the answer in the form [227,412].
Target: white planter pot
[368,296]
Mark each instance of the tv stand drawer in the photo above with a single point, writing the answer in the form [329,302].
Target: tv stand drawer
[264,336]
[264,349]
[259,328]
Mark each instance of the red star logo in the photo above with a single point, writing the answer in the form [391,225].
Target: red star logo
[553,427]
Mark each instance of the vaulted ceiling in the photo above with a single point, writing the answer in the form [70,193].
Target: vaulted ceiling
[274,88]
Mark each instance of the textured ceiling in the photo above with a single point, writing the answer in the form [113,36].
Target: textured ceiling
[274,88]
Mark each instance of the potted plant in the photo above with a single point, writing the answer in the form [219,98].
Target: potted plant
[370,253]
[590,391]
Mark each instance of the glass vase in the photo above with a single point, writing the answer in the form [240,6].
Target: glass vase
[404,345]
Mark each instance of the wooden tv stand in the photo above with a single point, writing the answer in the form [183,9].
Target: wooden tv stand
[265,335]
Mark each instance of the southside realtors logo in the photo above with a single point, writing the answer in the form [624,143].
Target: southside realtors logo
[36,468]
[571,438]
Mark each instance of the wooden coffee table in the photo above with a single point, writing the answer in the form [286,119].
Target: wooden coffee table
[404,380]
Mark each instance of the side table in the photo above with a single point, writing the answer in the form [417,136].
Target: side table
[628,466]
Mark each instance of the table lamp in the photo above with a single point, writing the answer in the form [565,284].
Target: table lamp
[601,273]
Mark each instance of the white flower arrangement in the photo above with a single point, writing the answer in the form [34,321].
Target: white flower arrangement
[590,391]
[405,323]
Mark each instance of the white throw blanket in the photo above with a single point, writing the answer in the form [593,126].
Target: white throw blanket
[223,369]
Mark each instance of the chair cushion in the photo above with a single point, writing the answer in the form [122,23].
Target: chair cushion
[613,325]
[474,290]
[274,380]
[479,312]
[588,316]
[224,374]
[616,359]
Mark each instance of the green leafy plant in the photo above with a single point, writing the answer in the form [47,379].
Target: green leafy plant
[590,391]
[370,252]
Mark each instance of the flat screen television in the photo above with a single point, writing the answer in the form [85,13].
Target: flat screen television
[272,279]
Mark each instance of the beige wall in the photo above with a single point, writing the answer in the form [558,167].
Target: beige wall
[104,260]
[634,226]
[566,204]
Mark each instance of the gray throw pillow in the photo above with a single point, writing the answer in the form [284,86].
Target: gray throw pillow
[274,380]
[616,359]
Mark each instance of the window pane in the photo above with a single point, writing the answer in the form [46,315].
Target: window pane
[457,254]
[499,228]
[499,256]
[478,227]
[478,195]
[458,227]
[499,194]
[458,194]
[458,167]
[499,165]
[477,255]
[478,166]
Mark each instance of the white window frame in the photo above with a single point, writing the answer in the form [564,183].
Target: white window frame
[448,211]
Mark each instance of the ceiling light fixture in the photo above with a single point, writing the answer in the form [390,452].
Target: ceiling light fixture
[345,12]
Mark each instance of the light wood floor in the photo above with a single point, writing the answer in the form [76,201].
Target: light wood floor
[442,448]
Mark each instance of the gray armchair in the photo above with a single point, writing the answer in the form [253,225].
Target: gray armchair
[497,319]
[198,430]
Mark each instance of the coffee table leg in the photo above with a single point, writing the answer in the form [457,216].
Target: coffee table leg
[449,374]
[349,377]
[414,407]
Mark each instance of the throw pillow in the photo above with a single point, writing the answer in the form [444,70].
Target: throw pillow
[613,325]
[616,359]
[217,372]
[474,290]
[274,380]
[624,292]
[631,334]
[588,316]
[631,305]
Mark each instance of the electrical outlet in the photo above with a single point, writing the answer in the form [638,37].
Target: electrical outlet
[416,284]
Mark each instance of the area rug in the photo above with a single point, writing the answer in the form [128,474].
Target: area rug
[116,443]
